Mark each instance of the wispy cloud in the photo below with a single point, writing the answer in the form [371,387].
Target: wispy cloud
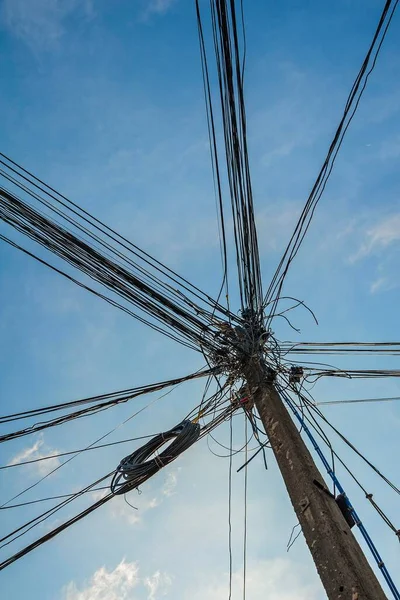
[157,585]
[383,284]
[116,584]
[133,514]
[170,484]
[142,503]
[40,23]
[378,237]
[157,7]
[38,450]
[277,579]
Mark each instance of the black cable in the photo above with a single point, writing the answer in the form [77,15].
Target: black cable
[230,73]
[95,224]
[137,467]
[51,534]
[59,497]
[357,90]
[188,322]
[23,529]
[52,456]
[189,431]
[112,399]
[318,429]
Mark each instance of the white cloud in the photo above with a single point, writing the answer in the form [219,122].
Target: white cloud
[157,7]
[143,503]
[157,585]
[377,285]
[40,23]
[120,509]
[170,484]
[96,496]
[118,584]
[38,450]
[383,284]
[276,579]
[378,237]
[106,585]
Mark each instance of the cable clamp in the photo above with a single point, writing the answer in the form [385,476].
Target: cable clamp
[158,462]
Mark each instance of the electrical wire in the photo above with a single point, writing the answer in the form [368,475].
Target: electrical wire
[275,288]
[137,467]
[230,74]
[357,401]
[111,399]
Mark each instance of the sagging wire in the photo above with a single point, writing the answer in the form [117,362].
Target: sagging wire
[95,442]
[130,483]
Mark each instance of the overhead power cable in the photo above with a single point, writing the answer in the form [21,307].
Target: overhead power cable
[58,497]
[318,412]
[107,299]
[342,348]
[106,401]
[137,467]
[275,288]
[51,534]
[102,233]
[71,452]
[313,374]
[28,526]
[180,445]
[349,506]
[230,59]
[311,419]
[356,401]
[92,444]
[186,320]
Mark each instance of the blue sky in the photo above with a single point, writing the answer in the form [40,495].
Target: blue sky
[104,101]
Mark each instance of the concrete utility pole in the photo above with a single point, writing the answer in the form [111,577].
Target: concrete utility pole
[340,562]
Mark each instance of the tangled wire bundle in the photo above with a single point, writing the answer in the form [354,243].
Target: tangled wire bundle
[135,469]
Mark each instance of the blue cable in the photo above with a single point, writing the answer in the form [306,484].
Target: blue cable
[364,532]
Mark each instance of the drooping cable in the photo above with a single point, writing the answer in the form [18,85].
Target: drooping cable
[137,467]
[226,414]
